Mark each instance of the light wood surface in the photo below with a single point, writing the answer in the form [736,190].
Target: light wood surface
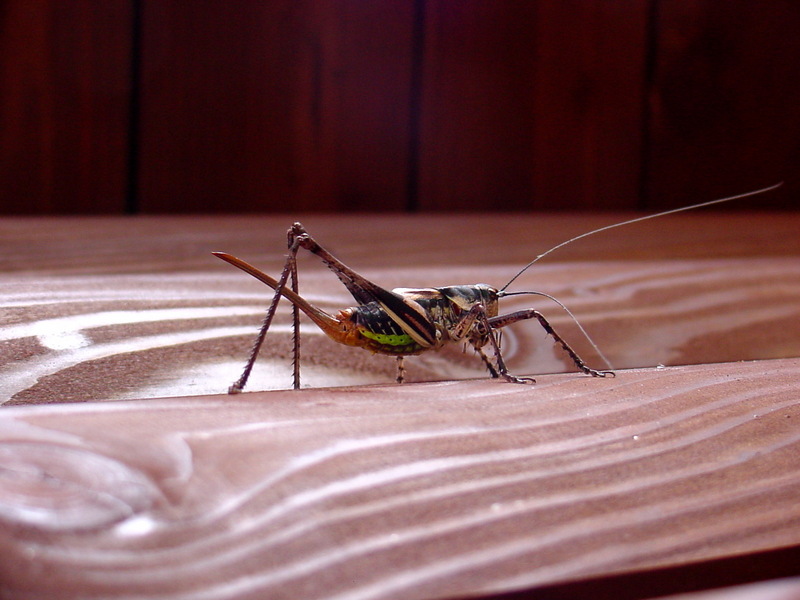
[455,485]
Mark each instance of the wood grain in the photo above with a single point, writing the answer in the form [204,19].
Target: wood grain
[144,299]
[424,491]
[456,485]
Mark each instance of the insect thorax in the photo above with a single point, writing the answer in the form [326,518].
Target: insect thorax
[465,297]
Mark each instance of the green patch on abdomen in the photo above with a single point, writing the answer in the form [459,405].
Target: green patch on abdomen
[386,339]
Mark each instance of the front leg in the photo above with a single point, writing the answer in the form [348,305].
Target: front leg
[401,370]
[522,315]
[476,326]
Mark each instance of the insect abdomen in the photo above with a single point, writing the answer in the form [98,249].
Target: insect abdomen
[380,333]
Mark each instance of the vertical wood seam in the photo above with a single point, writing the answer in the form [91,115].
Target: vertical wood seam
[415,106]
[131,202]
[646,119]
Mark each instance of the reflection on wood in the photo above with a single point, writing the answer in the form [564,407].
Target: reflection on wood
[189,333]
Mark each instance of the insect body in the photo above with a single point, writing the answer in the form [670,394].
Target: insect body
[400,322]
[405,321]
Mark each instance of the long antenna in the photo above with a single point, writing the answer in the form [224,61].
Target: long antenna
[636,220]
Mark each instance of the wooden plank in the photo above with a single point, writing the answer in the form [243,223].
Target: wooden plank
[456,485]
[738,302]
[722,100]
[64,75]
[422,491]
[532,105]
[275,106]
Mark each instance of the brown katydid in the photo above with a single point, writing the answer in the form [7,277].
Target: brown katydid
[405,321]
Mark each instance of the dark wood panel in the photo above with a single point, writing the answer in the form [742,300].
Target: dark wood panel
[723,102]
[279,106]
[588,111]
[289,106]
[532,105]
[64,76]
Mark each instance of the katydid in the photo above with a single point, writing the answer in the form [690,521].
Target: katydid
[409,321]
